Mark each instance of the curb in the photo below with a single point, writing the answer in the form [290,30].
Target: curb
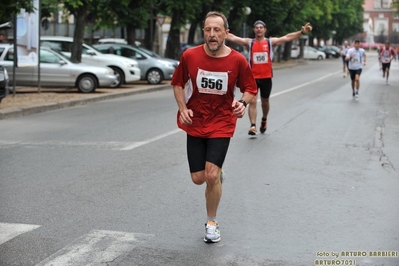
[54,106]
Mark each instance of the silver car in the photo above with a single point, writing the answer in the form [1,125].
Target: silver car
[126,70]
[154,68]
[56,70]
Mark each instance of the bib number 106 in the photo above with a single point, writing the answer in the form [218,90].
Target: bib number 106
[212,83]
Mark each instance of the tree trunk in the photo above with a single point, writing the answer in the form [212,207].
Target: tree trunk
[173,42]
[191,32]
[78,35]
[131,34]
[287,51]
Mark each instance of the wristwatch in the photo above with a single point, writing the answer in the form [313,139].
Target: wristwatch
[243,102]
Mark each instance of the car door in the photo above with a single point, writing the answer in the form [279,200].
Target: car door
[312,53]
[52,72]
[23,75]
[93,57]
[144,61]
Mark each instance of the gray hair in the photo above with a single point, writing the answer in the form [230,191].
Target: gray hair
[218,14]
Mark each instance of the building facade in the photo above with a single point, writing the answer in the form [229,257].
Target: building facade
[381,21]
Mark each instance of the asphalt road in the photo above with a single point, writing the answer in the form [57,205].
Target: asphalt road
[108,183]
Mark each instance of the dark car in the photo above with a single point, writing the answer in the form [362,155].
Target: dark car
[328,51]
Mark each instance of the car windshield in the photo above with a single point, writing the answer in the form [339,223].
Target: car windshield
[59,54]
[86,47]
[148,52]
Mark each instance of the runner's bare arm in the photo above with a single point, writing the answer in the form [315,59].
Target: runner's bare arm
[291,36]
[238,40]
[239,108]
[185,114]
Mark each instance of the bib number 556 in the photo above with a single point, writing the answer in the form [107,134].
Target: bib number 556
[211,83]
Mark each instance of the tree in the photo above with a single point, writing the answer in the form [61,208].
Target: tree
[10,8]
[181,12]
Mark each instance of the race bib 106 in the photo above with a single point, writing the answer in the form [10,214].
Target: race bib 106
[260,58]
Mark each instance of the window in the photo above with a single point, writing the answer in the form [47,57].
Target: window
[386,3]
[366,15]
[395,27]
[48,57]
[9,55]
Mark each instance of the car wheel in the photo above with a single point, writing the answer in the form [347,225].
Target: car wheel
[320,57]
[154,76]
[86,83]
[120,77]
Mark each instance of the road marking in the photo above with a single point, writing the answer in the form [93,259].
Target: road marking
[138,144]
[111,145]
[303,84]
[123,146]
[9,231]
[96,248]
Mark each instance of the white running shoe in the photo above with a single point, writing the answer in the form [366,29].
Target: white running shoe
[212,232]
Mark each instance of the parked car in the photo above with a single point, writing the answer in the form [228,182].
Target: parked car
[328,51]
[335,48]
[308,53]
[3,82]
[125,69]
[116,40]
[154,68]
[57,70]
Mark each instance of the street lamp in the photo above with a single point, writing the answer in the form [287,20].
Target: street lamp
[247,11]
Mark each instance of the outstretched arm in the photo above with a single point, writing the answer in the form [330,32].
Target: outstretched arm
[291,36]
[238,40]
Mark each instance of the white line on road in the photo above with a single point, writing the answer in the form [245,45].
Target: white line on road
[9,231]
[123,146]
[95,248]
[138,144]
[303,84]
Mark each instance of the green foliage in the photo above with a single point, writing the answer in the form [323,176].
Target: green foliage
[13,7]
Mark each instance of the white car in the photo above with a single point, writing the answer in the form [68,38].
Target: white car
[308,53]
[125,69]
[56,71]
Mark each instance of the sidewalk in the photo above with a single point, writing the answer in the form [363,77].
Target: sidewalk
[27,101]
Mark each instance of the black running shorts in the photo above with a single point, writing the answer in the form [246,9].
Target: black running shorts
[201,150]
[265,87]
[385,66]
[355,72]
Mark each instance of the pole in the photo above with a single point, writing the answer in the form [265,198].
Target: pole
[14,66]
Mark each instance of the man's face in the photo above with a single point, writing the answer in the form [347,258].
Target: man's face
[346,44]
[387,45]
[357,45]
[259,30]
[214,33]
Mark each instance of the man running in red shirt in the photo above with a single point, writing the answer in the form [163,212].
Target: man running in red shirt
[208,111]
[261,51]
[387,54]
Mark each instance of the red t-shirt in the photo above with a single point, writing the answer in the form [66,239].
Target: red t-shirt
[386,55]
[211,84]
[261,62]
